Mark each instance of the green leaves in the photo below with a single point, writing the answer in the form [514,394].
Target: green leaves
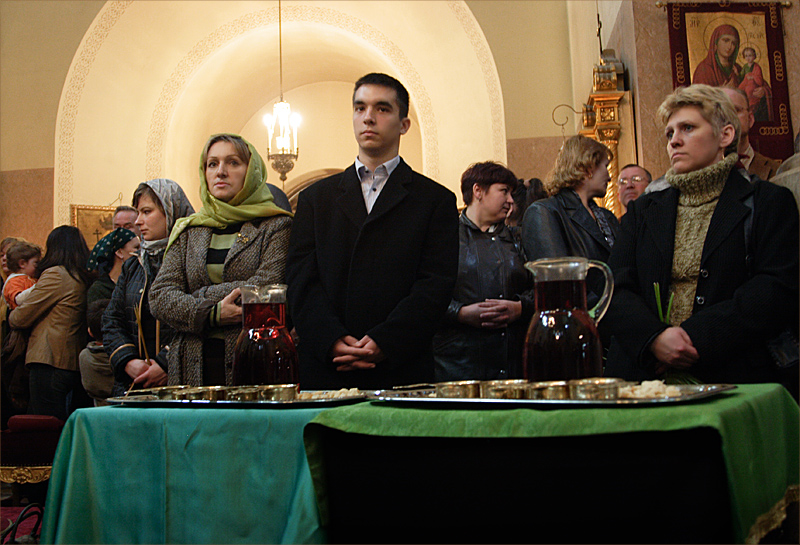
[661,316]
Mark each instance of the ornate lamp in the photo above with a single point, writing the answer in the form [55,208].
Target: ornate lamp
[282,124]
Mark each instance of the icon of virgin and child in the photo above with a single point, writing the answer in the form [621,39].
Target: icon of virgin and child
[719,68]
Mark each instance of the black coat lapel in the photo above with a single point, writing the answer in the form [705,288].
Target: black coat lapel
[729,214]
[351,200]
[659,217]
[392,193]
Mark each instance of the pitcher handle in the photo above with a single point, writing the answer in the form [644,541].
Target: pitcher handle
[600,308]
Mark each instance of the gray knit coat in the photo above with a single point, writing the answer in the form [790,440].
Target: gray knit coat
[183,295]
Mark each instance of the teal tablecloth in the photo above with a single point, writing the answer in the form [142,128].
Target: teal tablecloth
[126,475]
[759,425]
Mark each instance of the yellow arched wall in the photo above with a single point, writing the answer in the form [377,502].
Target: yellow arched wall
[143,92]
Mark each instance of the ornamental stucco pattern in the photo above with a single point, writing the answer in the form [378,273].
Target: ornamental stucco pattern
[252,21]
[70,102]
[489,71]
[164,108]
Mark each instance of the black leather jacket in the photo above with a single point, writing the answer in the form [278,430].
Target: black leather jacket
[490,266]
[120,329]
[561,226]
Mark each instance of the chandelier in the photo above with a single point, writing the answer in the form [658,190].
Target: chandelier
[282,124]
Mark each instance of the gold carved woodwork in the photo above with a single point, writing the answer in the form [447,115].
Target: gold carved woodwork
[608,115]
[603,124]
[609,75]
[24,474]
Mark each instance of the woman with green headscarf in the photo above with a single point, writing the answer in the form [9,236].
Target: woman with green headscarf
[239,237]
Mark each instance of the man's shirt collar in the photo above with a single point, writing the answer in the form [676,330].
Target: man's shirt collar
[390,165]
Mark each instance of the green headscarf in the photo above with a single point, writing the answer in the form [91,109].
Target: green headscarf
[102,256]
[253,201]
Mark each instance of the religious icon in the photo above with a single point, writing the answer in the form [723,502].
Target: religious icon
[723,48]
[94,222]
[739,46]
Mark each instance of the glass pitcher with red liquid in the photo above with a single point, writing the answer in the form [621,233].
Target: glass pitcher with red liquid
[562,342]
[264,352]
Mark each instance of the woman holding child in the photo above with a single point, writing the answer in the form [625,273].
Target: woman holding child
[55,310]
[239,237]
[134,340]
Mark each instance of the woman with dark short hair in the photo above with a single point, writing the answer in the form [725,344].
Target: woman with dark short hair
[487,318]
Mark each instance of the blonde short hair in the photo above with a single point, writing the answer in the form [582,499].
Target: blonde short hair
[714,106]
[578,157]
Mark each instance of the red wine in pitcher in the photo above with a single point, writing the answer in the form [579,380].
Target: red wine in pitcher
[265,352]
[256,315]
[562,341]
[560,294]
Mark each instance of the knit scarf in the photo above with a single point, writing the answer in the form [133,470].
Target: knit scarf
[253,201]
[699,194]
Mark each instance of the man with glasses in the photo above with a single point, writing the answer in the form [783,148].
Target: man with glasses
[633,180]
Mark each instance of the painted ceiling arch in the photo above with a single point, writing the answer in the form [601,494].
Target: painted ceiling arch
[152,79]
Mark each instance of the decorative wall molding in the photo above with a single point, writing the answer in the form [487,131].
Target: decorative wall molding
[490,77]
[71,99]
[304,13]
[24,474]
[169,98]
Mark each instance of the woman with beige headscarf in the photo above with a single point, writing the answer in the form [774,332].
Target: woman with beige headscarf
[137,343]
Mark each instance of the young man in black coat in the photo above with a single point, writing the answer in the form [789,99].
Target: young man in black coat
[724,249]
[373,257]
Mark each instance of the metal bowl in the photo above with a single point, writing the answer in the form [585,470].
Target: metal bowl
[188,393]
[168,392]
[249,393]
[140,392]
[496,386]
[278,392]
[459,388]
[552,389]
[506,391]
[594,388]
[206,393]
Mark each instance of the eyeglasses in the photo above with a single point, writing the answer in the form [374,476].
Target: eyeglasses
[632,180]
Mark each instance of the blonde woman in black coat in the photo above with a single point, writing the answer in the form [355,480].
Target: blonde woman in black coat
[722,248]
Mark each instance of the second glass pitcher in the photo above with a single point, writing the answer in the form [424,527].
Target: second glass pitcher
[562,342]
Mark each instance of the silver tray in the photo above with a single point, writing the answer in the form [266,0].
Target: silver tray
[421,398]
[143,402]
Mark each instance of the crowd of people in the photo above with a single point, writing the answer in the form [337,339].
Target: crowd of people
[388,284]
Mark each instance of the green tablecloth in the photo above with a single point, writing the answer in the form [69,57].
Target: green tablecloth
[759,425]
[126,475]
